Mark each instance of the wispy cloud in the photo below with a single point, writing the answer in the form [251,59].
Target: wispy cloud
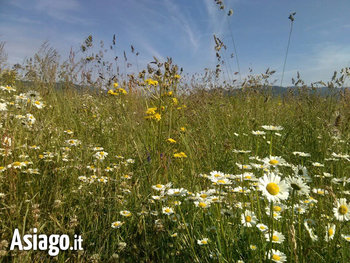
[151,51]
[63,10]
[320,64]
[184,22]
[217,18]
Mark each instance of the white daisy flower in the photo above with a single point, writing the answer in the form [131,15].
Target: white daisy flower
[239,189]
[301,171]
[330,232]
[317,164]
[277,208]
[100,155]
[222,181]
[216,175]
[319,191]
[125,213]
[272,128]
[248,218]
[167,210]
[69,132]
[203,204]
[117,224]
[73,142]
[241,151]
[298,186]
[262,227]
[38,104]
[302,154]
[7,88]
[342,211]
[253,247]
[277,256]
[258,132]
[244,166]
[300,209]
[346,237]
[3,106]
[273,161]
[273,187]
[277,237]
[313,236]
[97,148]
[177,192]
[159,187]
[203,241]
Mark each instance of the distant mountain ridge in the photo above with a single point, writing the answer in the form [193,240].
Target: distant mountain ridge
[280,91]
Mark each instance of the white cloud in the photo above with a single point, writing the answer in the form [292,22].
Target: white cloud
[319,64]
[184,22]
[63,10]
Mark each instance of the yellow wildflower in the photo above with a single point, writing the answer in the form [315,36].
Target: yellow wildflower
[180,155]
[122,91]
[151,82]
[150,111]
[175,101]
[112,92]
[157,116]
[171,140]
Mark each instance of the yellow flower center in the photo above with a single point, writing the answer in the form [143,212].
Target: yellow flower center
[275,238]
[273,188]
[276,257]
[330,232]
[221,181]
[204,242]
[203,205]
[167,210]
[262,228]
[159,186]
[203,196]
[343,209]
[273,162]
[16,163]
[248,218]
[277,208]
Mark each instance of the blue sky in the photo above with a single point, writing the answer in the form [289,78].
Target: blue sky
[183,30]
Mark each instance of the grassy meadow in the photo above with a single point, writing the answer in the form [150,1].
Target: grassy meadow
[152,170]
